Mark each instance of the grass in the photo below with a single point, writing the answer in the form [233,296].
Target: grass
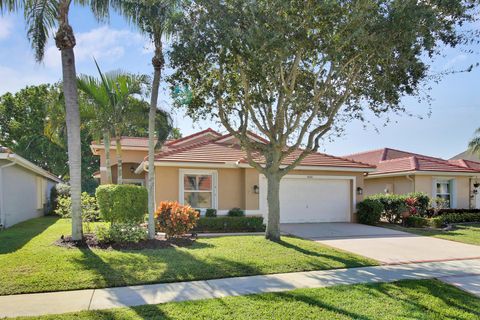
[466,233]
[30,262]
[410,299]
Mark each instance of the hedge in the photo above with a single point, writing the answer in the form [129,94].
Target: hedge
[123,203]
[369,211]
[440,221]
[431,211]
[459,217]
[230,224]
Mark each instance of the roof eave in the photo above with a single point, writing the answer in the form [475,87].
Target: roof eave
[422,173]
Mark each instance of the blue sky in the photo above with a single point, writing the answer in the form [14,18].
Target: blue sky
[455,108]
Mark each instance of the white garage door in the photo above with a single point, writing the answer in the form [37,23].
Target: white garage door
[311,199]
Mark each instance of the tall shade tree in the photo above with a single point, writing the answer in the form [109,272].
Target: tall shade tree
[42,16]
[115,93]
[474,144]
[293,71]
[155,18]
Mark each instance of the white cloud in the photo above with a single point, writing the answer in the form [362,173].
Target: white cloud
[455,60]
[6,27]
[26,75]
[103,42]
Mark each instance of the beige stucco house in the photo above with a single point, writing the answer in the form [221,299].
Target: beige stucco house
[208,170]
[24,189]
[456,181]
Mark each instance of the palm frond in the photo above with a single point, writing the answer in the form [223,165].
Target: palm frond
[41,17]
[10,5]
[474,144]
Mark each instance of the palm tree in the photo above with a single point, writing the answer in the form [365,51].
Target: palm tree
[154,18]
[474,144]
[99,114]
[113,92]
[42,16]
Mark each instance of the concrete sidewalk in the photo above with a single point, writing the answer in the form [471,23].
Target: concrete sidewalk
[70,301]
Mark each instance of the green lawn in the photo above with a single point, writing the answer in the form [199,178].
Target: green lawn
[462,233]
[30,262]
[425,299]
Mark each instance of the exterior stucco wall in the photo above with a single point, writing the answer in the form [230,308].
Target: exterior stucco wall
[396,185]
[126,172]
[422,183]
[20,192]
[235,185]
[128,157]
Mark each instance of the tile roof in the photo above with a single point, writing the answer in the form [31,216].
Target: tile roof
[223,153]
[389,160]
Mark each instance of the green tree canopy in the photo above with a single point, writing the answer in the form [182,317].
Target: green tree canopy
[293,70]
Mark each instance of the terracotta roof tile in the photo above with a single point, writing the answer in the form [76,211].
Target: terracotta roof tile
[389,160]
[213,152]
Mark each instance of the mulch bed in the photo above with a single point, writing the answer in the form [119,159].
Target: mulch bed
[91,242]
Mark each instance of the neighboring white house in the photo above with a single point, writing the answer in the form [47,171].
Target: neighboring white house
[24,189]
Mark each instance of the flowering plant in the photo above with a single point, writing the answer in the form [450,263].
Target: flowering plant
[175,219]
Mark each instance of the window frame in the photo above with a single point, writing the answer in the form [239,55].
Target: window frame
[212,173]
[452,186]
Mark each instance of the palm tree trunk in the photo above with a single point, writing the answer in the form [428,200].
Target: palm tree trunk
[106,141]
[65,41]
[118,151]
[273,200]
[157,62]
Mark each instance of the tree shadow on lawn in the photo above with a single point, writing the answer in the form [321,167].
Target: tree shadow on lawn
[348,259]
[15,237]
[455,297]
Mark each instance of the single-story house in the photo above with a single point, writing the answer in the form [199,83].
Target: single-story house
[209,170]
[24,189]
[457,181]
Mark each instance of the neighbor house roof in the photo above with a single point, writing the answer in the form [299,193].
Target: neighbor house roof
[388,161]
[7,154]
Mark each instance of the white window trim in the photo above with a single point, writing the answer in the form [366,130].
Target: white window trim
[453,189]
[127,181]
[181,185]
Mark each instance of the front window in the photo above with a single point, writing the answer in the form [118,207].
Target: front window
[198,190]
[443,191]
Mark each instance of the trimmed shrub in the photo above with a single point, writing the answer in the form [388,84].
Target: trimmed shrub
[122,203]
[416,222]
[422,202]
[120,233]
[393,205]
[175,219]
[369,211]
[90,210]
[436,222]
[230,224]
[63,189]
[236,212]
[211,213]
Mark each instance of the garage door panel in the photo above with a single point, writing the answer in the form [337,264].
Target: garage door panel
[314,200]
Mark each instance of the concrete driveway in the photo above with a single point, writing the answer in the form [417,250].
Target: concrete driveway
[384,245]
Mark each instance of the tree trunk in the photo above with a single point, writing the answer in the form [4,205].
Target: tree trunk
[273,200]
[157,62]
[106,141]
[65,41]
[118,151]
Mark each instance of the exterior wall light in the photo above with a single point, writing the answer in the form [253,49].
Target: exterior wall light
[256,189]
[359,191]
